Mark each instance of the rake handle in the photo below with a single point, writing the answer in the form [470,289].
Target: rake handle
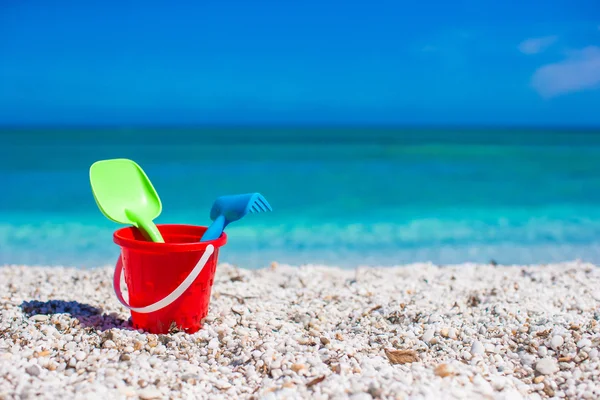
[215,229]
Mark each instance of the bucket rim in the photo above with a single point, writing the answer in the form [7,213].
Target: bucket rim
[127,242]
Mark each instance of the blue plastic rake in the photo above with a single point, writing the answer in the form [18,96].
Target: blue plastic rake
[227,209]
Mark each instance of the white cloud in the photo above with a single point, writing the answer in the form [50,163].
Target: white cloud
[536,45]
[579,71]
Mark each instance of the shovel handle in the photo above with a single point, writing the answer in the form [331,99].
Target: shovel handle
[171,297]
[150,230]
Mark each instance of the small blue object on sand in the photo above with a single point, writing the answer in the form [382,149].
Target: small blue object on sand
[227,209]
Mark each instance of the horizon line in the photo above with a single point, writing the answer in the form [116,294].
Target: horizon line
[270,126]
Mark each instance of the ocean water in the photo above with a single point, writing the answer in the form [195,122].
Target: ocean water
[341,196]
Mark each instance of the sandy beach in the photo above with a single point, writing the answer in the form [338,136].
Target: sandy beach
[407,332]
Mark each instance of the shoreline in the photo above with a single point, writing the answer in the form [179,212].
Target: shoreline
[419,331]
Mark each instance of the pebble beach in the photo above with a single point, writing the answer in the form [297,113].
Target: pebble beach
[313,332]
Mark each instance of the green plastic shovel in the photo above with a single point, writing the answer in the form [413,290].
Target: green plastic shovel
[124,194]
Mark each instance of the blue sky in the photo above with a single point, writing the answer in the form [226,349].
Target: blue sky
[389,62]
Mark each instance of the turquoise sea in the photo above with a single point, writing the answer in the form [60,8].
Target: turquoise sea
[341,196]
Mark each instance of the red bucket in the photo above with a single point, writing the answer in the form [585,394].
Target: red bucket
[169,283]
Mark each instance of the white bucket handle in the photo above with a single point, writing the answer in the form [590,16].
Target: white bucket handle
[174,295]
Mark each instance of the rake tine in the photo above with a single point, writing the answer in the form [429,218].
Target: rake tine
[265,203]
[259,206]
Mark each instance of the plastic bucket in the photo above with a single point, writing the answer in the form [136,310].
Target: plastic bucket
[169,283]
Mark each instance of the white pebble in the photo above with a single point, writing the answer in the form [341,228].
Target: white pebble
[546,366]
[452,333]
[557,342]
[361,396]
[477,348]
[428,335]
[33,370]
[584,343]
[71,346]
[149,394]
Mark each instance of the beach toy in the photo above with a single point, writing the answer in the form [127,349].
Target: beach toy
[169,283]
[124,194]
[227,209]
